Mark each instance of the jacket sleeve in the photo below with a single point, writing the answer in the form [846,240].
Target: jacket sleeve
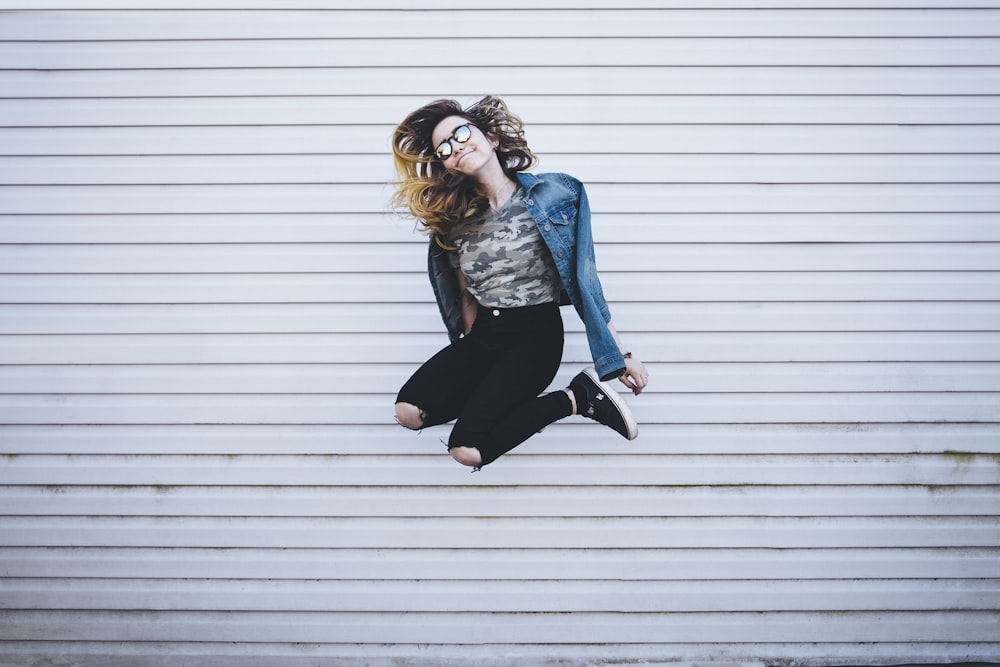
[447,291]
[608,359]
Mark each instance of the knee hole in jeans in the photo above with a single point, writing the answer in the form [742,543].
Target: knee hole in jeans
[410,416]
[467,456]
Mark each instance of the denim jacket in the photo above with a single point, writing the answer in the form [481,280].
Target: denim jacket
[558,203]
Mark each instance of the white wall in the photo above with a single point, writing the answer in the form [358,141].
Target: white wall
[206,309]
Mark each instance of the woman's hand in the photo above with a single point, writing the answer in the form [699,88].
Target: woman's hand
[635,377]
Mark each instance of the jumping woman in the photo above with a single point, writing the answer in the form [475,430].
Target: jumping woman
[507,248]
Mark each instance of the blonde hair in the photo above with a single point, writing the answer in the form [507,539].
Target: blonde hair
[436,197]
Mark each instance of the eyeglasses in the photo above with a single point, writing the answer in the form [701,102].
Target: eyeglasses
[462,134]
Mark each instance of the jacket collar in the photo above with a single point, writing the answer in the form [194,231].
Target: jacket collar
[527,180]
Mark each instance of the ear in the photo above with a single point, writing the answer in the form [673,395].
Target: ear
[493,139]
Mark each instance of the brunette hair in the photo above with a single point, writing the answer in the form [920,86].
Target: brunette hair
[436,197]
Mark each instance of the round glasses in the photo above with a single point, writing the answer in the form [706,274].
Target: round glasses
[462,134]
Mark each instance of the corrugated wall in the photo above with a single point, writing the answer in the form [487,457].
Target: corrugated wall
[206,309]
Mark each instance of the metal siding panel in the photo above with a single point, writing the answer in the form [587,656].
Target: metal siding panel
[204,301]
[876,499]
[575,109]
[388,288]
[359,347]
[547,139]
[387,439]
[280,379]
[486,628]
[503,533]
[610,198]
[532,80]
[496,22]
[662,168]
[407,258]
[883,563]
[655,227]
[657,408]
[421,318]
[424,468]
[509,596]
[521,52]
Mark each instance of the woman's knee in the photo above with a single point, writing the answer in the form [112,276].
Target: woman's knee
[409,416]
[467,456]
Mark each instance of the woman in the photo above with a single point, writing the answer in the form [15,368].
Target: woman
[506,249]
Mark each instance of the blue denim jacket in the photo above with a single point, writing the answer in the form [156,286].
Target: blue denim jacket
[558,203]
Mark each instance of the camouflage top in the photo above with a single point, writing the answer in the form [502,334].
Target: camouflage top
[504,257]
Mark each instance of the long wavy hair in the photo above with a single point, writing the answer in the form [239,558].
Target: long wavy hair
[436,197]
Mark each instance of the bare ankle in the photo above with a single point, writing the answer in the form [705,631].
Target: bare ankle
[572,400]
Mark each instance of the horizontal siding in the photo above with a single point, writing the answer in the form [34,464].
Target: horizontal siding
[405,258]
[432,23]
[206,307]
[380,5]
[501,533]
[729,408]
[337,318]
[639,470]
[817,142]
[318,228]
[504,628]
[374,440]
[496,597]
[575,109]
[878,499]
[632,169]
[569,52]
[578,80]
[547,564]
[956,198]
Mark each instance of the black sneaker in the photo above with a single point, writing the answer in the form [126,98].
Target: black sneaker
[598,401]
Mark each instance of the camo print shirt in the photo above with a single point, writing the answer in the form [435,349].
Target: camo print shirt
[504,257]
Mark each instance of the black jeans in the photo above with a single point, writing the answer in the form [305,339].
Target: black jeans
[491,379]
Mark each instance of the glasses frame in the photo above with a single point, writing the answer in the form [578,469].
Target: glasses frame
[445,150]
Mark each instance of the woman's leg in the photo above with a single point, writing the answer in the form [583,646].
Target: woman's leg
[505,408]
[437,391]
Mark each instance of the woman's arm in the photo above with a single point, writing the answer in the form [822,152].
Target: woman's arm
[635,377]
[469,305]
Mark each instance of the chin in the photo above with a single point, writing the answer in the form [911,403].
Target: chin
[471,163]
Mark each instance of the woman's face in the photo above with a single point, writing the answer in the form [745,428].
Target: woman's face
[466,157]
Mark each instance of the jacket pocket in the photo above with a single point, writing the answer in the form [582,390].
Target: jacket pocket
[564,216]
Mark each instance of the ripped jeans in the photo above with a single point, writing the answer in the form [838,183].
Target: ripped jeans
[490,380]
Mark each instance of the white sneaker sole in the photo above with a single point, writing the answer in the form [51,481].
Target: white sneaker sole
[623,409]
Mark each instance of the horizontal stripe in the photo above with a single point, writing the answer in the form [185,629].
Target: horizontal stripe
[554,138]
[574,109]
[531,80]
[405,258]
[460,501]
[458,628]
[366,287]
[533,533]
[308,318]
[383,227]
[571,436]
[359,347]
[607,198]
[428,466]
[633,169]
[745,378]
[538,564]
[494,23]
[501,597]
